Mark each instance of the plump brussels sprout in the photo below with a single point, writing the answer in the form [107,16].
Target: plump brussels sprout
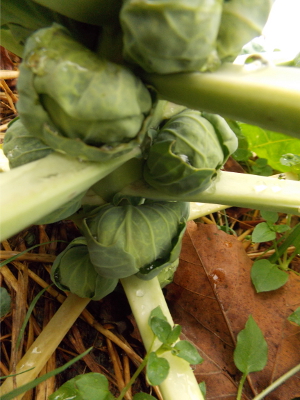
[242,20]
[166,36]
[126,240]
[188,151]
[20,147]
[73,271]
[77,103]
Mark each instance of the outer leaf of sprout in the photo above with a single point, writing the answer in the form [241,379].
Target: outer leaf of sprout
[21,147]
[73,271]
[242,20]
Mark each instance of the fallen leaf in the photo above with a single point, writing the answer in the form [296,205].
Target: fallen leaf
[212,297]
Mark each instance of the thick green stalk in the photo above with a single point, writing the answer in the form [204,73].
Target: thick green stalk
[42,348]
[143,297]
[32,191]
[240,190]
[262,95]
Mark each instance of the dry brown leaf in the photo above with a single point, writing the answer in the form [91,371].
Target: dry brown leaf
[212,297]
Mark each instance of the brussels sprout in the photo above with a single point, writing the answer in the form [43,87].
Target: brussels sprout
[20,147]
[73,271]
[166,36]
[242,20]
[187,153]
[77,103]
[142,240]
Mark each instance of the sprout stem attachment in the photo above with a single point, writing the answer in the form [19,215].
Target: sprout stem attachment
[264,95]
[33,190]
[233,189]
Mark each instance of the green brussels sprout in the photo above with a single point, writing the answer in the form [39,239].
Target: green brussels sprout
[20,147]
[76,102]
[242,20]
[73,271]
[166,36]
[142,240]
[188,152]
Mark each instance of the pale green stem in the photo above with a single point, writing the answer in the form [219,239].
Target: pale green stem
[240,388]
[143,297]
[198,210]
[267,96]
[32,191]
[278,382]
[46,343]
[240,190]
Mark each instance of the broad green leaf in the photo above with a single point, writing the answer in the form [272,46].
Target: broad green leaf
[174,334]
[5,302]
[160,328]
[251,352]
[269,216]
[271,145]
[263,233]
[91,386]
[266,276]
[143,396]
[295,317]
[157,369]
[187,351]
